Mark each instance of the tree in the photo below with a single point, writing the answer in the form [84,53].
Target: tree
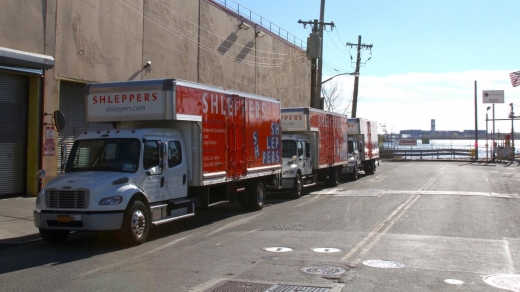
[333,98]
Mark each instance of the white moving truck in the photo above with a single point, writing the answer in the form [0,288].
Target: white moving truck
[314,148]
[363,147]
[176,145]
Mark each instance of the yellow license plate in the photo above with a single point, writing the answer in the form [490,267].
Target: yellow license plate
[64,218]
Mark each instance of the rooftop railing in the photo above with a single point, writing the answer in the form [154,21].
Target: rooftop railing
[253,17]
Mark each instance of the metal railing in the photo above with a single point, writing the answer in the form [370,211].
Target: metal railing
[255,18]
[427,153]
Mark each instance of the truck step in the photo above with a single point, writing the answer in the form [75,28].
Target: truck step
[309,185]
[174,210]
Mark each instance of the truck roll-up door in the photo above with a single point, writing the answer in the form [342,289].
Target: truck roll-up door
[14,95]
[72,104]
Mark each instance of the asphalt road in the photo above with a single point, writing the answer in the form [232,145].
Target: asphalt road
[413,226]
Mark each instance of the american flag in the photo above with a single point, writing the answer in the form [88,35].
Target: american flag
[515,78]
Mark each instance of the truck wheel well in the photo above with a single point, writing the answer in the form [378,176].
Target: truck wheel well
[138,197]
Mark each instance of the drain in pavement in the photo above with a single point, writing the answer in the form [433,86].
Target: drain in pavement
[326,249]
[242,286]
[323,270]
[288,226]
[278,249]
[383,264]
[506,281]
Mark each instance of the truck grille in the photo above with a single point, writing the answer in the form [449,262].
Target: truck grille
[60,199]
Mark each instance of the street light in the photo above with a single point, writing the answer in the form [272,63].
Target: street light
[487,110]
[351,73]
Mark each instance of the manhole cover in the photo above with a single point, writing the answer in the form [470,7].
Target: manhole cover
[507,281]
[323,270]
[278,249]
[288,226]
[454,282]
[383,264]
[326,249]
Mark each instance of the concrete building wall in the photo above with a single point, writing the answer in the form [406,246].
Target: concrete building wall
[196,40]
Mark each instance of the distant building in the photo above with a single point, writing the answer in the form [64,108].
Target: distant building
[433,126]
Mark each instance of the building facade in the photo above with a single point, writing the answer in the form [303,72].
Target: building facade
[51,49]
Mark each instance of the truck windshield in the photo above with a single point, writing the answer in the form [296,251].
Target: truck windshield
[120,155]
[288,148]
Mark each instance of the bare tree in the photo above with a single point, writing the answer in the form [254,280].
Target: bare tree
[333,98]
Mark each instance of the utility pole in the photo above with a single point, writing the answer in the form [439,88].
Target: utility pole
[320,61]
[314,52]
[359,46]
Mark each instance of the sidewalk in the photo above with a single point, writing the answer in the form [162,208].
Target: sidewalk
[16,221]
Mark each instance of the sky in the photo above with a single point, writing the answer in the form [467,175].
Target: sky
[425,60]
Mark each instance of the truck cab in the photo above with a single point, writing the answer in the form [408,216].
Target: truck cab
[297,163]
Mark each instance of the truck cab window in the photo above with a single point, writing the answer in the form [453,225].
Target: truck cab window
[307,149]
[174,153]
[300,148]
[151,154]
[288,148]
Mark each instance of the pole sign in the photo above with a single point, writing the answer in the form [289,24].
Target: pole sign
[407,142]
[493,96]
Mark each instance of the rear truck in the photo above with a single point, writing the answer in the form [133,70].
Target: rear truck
[175,146]
[314,148]
[363,147]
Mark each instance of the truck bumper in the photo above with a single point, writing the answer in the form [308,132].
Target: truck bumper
[78,222]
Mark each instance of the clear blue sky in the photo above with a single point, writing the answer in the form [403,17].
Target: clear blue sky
[425,59]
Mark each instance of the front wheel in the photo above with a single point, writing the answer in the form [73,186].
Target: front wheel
[354,175]
[54,236]
[136,225]
[296,191]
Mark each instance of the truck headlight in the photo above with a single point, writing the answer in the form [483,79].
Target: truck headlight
[290,171]
[114,200]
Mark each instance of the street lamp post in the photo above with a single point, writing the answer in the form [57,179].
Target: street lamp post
[487,110]
[351,73]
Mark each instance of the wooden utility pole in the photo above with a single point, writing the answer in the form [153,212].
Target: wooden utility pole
[314,44]
[359,46]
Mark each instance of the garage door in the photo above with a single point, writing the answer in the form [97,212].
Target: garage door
[14,95]
[72,104]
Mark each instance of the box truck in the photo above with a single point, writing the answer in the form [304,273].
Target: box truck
[314,148]
[363,147]
[176,145]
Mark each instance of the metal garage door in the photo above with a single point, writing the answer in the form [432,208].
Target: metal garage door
[14,96]
[72,104]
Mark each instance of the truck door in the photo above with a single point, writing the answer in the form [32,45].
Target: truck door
[175,172]
[304,157]
[236,137]
[153,180]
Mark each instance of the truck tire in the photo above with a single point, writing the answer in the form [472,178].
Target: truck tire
[334,176]
[296,191]
[54,236]
[354,174]
[373,166]
[256,196]
[136,225]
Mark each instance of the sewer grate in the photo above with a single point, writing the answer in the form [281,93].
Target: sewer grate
[238,286]
[278,249]
[288,226]
[323,270]
[505,281]
[383,264]
[286,288]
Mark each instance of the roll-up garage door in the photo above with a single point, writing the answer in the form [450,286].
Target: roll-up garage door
[72,104]
[14,96]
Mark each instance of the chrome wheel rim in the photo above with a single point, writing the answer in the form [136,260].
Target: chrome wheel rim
[138,223]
